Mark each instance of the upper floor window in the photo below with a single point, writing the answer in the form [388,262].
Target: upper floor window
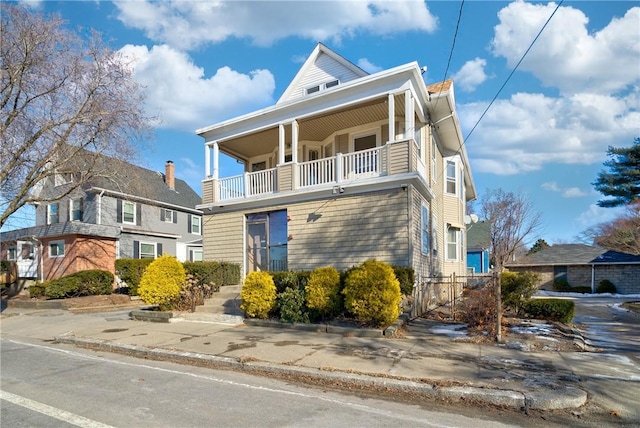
[451,178]
[322,86]
[128,212]
[452,243]
[12,253]
[194,225]
[168,216]
[75,209]
[53,213]
[61,178]
[56,249]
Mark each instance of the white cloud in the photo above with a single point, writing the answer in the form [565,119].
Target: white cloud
[189,24]
[527,131]
[595,215]
[33,4]
[180,94]
[566,56]
[552,185]
[367,66]
[569,192]
[471,74]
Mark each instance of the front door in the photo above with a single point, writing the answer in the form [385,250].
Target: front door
[257,245]
[267,241]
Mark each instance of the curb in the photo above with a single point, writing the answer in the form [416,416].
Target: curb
[563,398]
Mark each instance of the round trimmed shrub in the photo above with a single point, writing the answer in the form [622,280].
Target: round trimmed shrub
[291,306]
[258,295]
[372,293]
[606,286]
[162,282]
[323,291]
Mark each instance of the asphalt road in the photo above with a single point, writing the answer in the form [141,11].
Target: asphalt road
[56,386]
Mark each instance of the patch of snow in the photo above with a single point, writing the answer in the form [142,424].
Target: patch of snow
[451,330]
[560,294]
[532,328]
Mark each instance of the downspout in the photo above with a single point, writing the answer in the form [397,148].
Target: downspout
[99,216]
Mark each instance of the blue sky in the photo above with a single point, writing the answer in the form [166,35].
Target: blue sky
[575,93]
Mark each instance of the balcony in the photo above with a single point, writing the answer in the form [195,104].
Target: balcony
[357,167]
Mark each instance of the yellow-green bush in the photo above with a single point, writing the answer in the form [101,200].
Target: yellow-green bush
[372,293]
[323,290]
[162,282]
[258,295]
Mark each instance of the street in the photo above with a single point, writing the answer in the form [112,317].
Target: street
[56,386]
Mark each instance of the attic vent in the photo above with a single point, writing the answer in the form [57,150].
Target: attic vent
[323,86]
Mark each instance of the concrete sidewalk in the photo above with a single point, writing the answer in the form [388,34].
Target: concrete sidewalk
[418,362]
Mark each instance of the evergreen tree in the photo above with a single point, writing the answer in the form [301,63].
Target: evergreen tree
[540,245]
[622,181]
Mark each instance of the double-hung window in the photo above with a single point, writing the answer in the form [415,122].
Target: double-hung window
[194,225]
[12,253]
[128,212]
[147,250]
[425,230]
[451,177]
[452,243]
[75,209]
[56,249]
[53,213]
[168,216]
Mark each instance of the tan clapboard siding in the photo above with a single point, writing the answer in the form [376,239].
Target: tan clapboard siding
[342,143]
[284,178]
[223,237]
[346,231]
[207,192]
[452,210]
[398,157]
[420,262]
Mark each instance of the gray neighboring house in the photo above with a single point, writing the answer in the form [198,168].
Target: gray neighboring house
[139,214]
[582,265]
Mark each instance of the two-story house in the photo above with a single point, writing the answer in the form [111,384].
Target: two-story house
[346,166]
[137,213]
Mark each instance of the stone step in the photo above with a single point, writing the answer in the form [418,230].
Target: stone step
[224,302]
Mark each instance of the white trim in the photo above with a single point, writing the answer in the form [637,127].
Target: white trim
[199,225]
[364,133]
[146,200]
[155,249]
[132,222]
[56,242]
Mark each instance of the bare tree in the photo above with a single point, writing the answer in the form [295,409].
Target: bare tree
[620,234]
[66,102]
[513,219]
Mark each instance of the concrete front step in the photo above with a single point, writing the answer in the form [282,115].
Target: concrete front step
[224,302]
[209,317]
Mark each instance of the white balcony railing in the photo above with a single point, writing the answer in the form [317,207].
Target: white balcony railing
[248,184]
[321,171]
[362,164]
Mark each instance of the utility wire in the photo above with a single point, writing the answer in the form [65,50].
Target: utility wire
[511,74]
[453,45]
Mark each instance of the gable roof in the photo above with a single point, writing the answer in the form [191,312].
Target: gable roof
[574,254]
[479,235]
[322,65]
[137,182]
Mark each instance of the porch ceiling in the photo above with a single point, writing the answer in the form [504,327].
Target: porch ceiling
[313,128]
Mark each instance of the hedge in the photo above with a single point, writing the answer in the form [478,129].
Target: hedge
[552,309]
[219,273]
[83,283]
[130,271]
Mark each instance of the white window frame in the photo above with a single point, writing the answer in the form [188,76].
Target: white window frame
[168,215]
[425,230]
[353,137]
[124,204]
[12,253]
[451,179]
[155,250]
[456,243]
[193,252]
[71,209]
[314,89]
[199,219]
[60,244]
[49,213]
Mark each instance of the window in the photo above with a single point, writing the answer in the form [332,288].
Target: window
[194,225]
[128,212]
[147,250]
[425,230]
[451,177]
[267,239]
[313,89]
[322,86]
[75,209]
[53,213]
[61,178]
[56,249]
[168,216]
[196,256]
[331,84]
[434,236]
[452,243]
[12,253]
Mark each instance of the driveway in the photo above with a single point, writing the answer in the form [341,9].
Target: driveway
[606,325]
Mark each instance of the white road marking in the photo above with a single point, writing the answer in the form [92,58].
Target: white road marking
[63,415]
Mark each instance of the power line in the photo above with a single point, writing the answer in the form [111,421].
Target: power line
[511,74]
[453,45]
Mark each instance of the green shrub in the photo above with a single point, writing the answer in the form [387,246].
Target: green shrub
[37,290]
[227,273]
[84,283]
[130,271]
[561,284]
[289,279]
[517,287]
[606,286]
[5,266]
[162,282]
[551,309]
[406,277]
[291,306]
[208,276]
[323,291]
[372,293]
[258,294]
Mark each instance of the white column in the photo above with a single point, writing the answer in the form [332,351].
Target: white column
[280,144]
[392,118]
[409,115]
[216,160]
[207,161]
[294,141]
